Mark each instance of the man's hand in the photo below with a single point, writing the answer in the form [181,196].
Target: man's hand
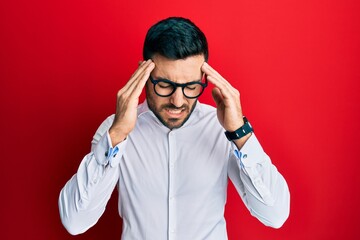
[227,99]
[127,103]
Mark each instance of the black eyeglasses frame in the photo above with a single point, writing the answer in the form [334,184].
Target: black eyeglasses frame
[181,85]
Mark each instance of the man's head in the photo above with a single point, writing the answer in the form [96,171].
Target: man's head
[175,38]
[178,48]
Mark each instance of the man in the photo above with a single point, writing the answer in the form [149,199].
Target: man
[169,156]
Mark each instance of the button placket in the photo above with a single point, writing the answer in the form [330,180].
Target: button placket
[171,198]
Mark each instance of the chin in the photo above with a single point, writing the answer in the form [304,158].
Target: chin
[173,124]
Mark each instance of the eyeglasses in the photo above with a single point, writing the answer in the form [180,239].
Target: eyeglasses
[165,88]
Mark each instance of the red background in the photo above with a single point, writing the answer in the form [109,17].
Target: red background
[296,64]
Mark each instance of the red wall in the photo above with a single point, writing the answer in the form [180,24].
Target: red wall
[296,64]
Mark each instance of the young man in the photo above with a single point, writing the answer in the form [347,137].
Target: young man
[169,156]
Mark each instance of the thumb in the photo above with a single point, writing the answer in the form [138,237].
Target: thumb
[217,96]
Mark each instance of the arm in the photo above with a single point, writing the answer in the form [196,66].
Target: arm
[262,188]
[83,199]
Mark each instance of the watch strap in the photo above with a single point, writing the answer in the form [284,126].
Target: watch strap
[240,132]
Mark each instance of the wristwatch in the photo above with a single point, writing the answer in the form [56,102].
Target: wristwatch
[241,132]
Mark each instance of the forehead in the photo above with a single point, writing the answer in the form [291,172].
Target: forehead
[181,70]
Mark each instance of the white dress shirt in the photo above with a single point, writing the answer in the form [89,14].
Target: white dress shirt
[172,184]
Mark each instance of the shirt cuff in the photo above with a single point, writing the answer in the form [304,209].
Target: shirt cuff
[105,154]
[252,161]
[250,154]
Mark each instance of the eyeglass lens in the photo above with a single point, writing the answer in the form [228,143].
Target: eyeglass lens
[166,89]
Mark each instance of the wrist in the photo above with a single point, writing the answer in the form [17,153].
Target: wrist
[241,132]
[233,128]
[241,141]
[116,136]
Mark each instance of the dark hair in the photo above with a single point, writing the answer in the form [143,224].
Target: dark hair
[175,38]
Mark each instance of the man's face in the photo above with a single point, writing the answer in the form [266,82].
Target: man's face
[173,111]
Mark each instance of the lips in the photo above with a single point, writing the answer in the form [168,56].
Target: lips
[174,113]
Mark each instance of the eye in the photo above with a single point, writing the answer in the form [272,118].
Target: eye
[191,87]
[164,85]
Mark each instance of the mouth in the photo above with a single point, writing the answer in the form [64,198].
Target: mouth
[174,113]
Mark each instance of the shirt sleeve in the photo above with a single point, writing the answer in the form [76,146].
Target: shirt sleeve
[258,182]
[83,199]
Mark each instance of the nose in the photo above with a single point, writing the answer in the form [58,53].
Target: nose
[177,98]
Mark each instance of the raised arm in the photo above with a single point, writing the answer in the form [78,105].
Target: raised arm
[83,199]
[261,187]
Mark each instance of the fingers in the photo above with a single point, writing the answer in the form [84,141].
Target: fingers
[142,79]
[138,79]
[216,77]
[138,71]
[127,102]
[217,96]
[227,91]
[227,99]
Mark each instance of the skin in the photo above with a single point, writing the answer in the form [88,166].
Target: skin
[173,111]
